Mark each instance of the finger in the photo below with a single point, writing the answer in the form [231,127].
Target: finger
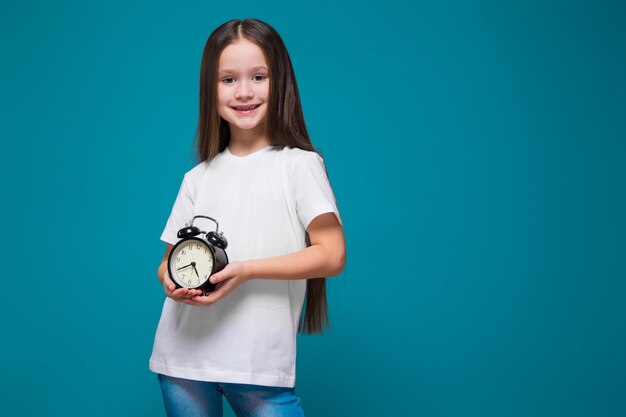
[191,293]
[215,278]
[199,301]
[168,291]
[220,292]
[205,300]
[179,294]
[223,275]
[168,282]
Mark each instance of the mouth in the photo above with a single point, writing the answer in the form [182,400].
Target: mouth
[245,109]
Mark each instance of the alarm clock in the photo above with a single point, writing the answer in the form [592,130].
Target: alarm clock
[197,256]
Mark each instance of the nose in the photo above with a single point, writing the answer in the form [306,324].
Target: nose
[243,90]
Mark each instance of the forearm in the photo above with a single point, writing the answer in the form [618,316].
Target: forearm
[315,261]
[161,271]
[163,266]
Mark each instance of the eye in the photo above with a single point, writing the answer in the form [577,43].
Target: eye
[260,76]
[225,80]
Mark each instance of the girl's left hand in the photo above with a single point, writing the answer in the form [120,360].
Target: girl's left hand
[229,278]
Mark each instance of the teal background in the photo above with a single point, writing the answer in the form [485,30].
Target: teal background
[477,151]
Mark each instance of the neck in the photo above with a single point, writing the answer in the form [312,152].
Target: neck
[244,142]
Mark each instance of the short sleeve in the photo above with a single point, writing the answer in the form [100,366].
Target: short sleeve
[181,214]
[311,187]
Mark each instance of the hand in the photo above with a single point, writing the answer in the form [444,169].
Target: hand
[177,294]
[229,278]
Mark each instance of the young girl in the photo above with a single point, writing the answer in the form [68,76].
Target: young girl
[265,184]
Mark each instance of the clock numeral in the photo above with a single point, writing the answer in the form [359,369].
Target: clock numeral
[178,259]
[183,252]
[197,246]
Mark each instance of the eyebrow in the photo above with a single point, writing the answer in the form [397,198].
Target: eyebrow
[261,67]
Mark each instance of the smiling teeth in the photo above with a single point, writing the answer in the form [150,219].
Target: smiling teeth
[246,108]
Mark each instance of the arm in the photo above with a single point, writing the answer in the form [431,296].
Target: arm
[324,258]
[163,265]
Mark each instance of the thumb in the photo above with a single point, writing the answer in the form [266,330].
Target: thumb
[168,282]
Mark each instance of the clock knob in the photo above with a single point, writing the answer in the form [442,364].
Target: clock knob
[217,240]
[186,232]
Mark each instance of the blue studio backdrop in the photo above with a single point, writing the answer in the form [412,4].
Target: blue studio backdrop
[478,155]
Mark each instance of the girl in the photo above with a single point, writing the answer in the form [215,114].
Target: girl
[261,178]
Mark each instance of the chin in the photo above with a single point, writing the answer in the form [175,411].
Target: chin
[247,126]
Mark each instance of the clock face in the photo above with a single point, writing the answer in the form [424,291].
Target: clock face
[191,263]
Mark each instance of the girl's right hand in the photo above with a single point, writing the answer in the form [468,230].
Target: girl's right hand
[177,294]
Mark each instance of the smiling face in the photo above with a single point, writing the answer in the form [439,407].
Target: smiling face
[243,89]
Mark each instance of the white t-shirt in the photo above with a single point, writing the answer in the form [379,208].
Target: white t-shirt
[263,203]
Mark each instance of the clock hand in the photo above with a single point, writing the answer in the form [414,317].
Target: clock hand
[183,267]
[194,268]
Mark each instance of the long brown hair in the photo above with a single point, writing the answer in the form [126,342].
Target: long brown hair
[284,126]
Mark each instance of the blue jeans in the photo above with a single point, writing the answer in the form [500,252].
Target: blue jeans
[187,398]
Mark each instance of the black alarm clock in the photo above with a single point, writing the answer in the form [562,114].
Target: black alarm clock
[197,256]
